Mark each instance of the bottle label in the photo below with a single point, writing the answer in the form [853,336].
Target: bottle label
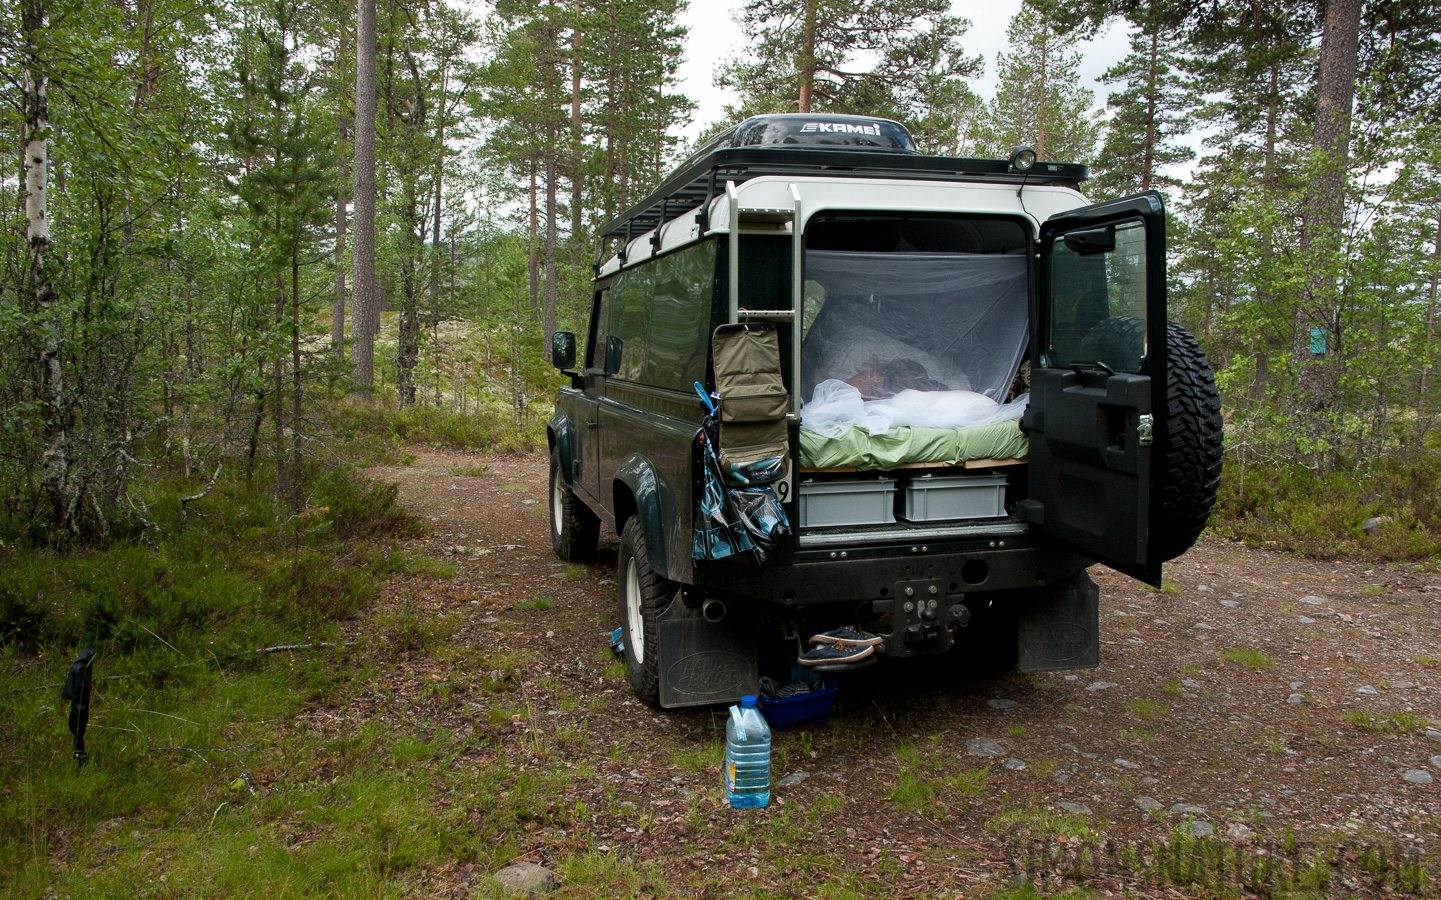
[730,776]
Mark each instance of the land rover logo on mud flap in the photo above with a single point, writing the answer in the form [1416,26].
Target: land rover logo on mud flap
[701,673]
[840,128]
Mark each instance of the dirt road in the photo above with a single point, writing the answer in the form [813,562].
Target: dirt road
[1278,705]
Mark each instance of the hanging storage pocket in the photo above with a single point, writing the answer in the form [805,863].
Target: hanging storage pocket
[754,438]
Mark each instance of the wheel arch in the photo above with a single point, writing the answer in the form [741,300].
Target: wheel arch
[560,439]
[639,492]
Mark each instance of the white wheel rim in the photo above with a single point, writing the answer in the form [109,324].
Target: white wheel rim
[632,611]
[557,513]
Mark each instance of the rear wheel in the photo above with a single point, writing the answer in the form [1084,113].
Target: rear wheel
[574,529]
[643,594]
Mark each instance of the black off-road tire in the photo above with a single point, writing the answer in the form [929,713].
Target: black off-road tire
[643,595]
[1194,446]
[574,529]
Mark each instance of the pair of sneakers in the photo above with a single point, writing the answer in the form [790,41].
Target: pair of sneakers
[839,646]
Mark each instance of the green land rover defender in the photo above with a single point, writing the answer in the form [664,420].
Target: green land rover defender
[954,377]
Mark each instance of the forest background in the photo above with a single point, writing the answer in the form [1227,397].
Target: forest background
[250,243]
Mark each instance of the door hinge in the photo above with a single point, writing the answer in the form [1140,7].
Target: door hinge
[1144,430]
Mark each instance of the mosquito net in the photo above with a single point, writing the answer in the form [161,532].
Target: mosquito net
[887,323]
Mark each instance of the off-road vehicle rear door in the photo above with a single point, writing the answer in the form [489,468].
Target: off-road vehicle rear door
[1098,380]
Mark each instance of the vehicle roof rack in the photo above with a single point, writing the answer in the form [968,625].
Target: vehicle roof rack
[702,177]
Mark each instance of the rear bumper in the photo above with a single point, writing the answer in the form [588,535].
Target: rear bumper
[838,573]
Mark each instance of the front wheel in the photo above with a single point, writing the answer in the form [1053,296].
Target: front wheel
[643,594]
[574,529]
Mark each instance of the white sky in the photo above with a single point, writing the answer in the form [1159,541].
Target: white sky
[714,36]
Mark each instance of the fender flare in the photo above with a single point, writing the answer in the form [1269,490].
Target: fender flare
[652,496]
[560,433]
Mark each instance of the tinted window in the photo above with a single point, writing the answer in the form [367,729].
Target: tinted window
[595,356]
[630,314]
[682,285]
[1098,307]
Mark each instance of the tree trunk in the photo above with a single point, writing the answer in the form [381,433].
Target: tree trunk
[435,224]
[551,214]
[575,131]
[337,311]
[364,309]
[1430,330]
[534,231]
[297,501]
[1325,203]
[1044,86]
[55,478]
[1149,160]
[808,59]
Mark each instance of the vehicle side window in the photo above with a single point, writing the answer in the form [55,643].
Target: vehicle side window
[630,314]
[1098,277]
[682,286]
[595,353]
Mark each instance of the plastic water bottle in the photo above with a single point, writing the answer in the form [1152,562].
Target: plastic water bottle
[748,756]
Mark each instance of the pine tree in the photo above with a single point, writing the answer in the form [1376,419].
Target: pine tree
[1149,115]
[894,58]
[1040,102]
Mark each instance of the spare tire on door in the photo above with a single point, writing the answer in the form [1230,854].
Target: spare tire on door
[1192,451]
[1194,445]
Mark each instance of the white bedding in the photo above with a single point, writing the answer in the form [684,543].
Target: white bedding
[836,406]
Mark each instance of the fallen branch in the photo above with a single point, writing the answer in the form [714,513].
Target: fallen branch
[185,501]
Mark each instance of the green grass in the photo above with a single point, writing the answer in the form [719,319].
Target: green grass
[536,603]
[1372,589]
[1394,723]
[1146,709]
[1427,662]
[1249,657]
[479,470]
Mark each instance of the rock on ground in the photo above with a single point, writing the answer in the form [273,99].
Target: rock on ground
[1198,829]
[525,880]
[983,747]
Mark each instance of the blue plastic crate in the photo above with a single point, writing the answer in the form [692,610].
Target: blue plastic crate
[814,706]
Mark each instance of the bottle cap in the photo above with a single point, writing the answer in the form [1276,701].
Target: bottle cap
[748,702]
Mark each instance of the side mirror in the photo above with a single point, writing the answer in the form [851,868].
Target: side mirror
[613,348]
[562,350]
[1091,241]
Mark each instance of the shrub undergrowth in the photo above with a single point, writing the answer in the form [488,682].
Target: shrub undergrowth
[1291,507]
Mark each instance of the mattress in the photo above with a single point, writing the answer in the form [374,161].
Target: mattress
[858,448]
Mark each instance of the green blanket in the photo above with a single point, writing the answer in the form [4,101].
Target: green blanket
[859,448]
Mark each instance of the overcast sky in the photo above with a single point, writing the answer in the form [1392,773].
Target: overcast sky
[714,36]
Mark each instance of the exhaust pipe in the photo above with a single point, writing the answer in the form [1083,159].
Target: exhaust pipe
[713,610]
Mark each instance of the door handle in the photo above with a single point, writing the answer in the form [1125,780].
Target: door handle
[592,424]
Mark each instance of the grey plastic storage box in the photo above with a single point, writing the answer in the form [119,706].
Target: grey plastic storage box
[834,504]
[931,499]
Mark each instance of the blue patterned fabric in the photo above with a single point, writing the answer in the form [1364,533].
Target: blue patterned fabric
[737,526]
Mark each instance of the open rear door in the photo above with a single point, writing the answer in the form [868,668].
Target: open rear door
[1098,382]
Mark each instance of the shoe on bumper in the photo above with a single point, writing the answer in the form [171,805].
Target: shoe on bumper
[837,653]
[847,635]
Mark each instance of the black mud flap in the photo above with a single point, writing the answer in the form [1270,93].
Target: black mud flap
[1060,628]
[704,662]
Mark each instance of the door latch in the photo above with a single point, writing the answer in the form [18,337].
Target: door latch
[1144,430]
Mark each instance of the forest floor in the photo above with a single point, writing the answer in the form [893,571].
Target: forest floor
[1265,724]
